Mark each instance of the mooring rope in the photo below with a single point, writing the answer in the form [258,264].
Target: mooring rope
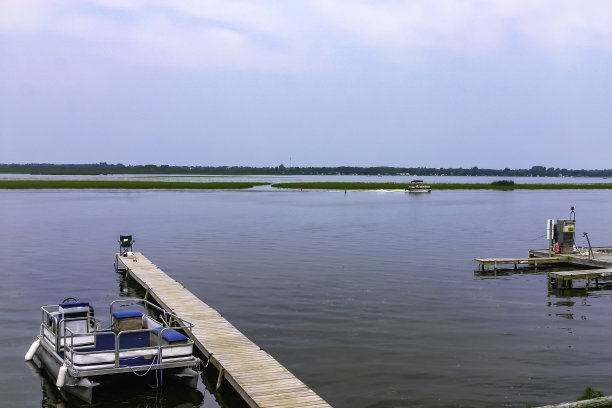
[208,361]
[155,357]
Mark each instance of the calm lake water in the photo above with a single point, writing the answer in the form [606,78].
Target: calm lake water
[370,298]
[305,178]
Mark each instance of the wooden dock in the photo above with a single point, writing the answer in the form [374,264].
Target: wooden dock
[564,279]
[259,379]
[484,262]
[600,259]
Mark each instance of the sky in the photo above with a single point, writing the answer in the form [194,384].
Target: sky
[434,83]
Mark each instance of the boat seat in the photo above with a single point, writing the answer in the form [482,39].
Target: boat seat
[168,336]
[126,320]
[73,305]
[73,316]
[74,310]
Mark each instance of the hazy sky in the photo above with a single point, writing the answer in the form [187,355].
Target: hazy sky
[439,83]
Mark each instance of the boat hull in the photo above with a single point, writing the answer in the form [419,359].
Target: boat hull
[80,356]
[84,387]
[81,388]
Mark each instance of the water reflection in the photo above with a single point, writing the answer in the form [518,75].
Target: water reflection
[129,290]
[139,394]
[51,397]
[568,302]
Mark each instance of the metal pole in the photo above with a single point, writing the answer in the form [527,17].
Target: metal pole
[549,235]
[586,235]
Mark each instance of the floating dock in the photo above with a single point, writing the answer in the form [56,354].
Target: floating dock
[565,279]
[487,262]
[255,375]
[598,259]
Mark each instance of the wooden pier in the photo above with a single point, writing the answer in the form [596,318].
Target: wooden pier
[484,262]
[259,379]
[598,259]
[565,279]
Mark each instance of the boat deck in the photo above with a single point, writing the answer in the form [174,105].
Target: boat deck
[254,374]
[105,341]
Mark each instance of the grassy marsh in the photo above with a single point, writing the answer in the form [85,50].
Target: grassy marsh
[123,184]
[444,186]
[178,185]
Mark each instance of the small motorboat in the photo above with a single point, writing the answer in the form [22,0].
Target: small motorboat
[417,186]
[80,355]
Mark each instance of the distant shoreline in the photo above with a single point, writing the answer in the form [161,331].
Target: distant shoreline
[442,186]
[178,185]
[123,185]
[280,170]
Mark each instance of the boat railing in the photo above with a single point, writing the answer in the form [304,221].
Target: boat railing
[54,326]
[112,358]
[169,319]
[79,337]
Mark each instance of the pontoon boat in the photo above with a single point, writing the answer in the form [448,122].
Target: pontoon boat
[79,355]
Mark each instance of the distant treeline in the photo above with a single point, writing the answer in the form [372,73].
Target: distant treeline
[104,168]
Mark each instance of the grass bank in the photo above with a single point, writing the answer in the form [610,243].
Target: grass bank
[123,184]
[442,186]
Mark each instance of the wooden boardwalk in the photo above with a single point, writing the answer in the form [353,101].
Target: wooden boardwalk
[482,262]
[564,279]
[254,374]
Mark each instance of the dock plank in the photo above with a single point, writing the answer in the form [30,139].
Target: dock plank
[257,377]
[565,278]
[508,261]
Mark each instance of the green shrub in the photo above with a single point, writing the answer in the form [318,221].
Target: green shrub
[590,393]
[503,183]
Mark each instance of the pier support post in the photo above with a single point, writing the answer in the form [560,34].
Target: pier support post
[219,379]
[550,283]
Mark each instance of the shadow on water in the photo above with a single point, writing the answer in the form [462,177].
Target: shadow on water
[140,393]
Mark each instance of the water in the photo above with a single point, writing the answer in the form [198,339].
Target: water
[369,298]
[306,178]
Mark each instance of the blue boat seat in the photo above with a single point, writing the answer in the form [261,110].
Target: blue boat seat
[74,304]
[169,335]
[127,320]
[127,313]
